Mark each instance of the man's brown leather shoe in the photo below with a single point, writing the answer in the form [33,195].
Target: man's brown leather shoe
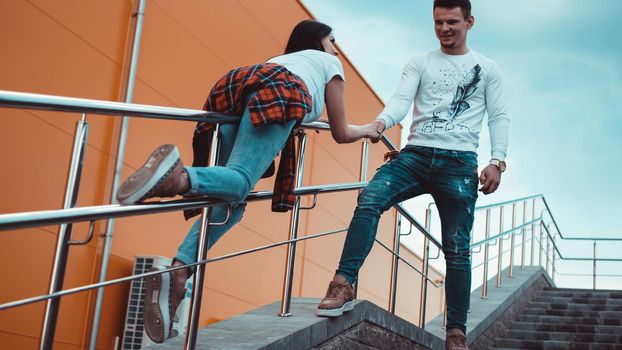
[339,298]
[455,340]
[162,175]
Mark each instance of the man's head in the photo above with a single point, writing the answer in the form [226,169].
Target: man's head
[452,20]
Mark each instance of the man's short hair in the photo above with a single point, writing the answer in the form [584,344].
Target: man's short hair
[464,5]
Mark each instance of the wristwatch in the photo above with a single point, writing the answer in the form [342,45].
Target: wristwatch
[499,164]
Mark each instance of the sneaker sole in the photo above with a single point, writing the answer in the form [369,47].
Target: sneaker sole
[348,306]
[137,187]
[156,322]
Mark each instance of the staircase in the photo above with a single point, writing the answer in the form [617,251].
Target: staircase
[567,319]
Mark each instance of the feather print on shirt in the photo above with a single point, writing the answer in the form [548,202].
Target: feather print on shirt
[465,89]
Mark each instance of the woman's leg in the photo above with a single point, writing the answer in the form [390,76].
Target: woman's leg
[253,151]
[251,154]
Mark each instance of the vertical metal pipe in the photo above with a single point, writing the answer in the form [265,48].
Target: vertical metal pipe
[511,269]
[129,95]
[362,178]
[533,227]
[64,234]
[540,244]
[548,242]
[423,300]
[394,263]
[554,245]
[286,295]
[522,251]
[487,234]
[198,280]
[202,247]
[500,255]
[594,268]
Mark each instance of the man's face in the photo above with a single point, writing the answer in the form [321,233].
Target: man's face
[451,28]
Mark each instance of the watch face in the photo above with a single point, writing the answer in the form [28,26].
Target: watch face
[501,166]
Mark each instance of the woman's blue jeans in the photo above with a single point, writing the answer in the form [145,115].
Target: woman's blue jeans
[245,153]
[451,178]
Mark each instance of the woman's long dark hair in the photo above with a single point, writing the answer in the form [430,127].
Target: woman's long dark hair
[306,35]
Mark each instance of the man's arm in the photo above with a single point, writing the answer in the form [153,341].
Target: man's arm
[396,108]
[498,125]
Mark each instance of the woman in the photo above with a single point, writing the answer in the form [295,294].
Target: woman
[273,99]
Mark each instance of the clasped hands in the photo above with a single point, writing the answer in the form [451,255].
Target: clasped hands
[375,130]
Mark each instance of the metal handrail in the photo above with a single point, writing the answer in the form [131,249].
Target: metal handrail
[169,269]
[495,237]
[71,104]
[59,216]
[576,258]
[501,204]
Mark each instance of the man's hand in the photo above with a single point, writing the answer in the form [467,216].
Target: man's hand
[490,179]
[375,128]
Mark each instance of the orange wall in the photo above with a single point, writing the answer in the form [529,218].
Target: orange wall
[78,48]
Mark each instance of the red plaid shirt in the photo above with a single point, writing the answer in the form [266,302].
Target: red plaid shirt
[280,97]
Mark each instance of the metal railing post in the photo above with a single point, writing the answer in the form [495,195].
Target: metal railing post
[362,178]
[394,263]
[198,278]
[286,294]
[487,234]
[553,258]
[197,283]
[533,227]
[423,302]
[540,245]
[548,243]
[512,243]
[107,237]
[500,255]
[522,251]
[594,268]
[64,234]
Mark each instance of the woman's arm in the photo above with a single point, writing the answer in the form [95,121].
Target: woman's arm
[340,129]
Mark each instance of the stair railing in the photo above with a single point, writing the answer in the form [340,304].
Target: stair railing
[71,214]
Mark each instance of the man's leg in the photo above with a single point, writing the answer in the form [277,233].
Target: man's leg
[396,181]
[454,188]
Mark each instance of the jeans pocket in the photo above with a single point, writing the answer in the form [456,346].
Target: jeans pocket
[466,158]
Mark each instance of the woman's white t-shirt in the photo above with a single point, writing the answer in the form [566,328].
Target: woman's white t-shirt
[316,68]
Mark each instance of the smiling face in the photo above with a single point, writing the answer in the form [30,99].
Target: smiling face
[451,29]
[328,43]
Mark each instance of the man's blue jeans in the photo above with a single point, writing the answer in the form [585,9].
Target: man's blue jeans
[245,153]
[451,178]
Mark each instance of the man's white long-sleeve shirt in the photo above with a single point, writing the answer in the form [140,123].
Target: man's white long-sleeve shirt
[452,93]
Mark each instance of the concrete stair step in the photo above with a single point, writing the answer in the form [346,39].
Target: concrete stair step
[575,306]
[571,328]
[571,320]
[567,300]
[565,336]
[598,293]
[573,313]
[553,345]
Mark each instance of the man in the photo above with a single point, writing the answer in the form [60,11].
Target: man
[452,88]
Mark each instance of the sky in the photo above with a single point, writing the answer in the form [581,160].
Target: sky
[562,66]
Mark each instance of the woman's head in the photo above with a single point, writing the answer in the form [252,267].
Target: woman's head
[310,34]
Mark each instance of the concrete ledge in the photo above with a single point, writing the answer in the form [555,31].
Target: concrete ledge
[263,329]
[485,318]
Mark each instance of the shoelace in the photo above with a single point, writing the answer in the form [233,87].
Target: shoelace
[338,290]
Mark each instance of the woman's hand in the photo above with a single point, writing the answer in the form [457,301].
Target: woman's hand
[375,130]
